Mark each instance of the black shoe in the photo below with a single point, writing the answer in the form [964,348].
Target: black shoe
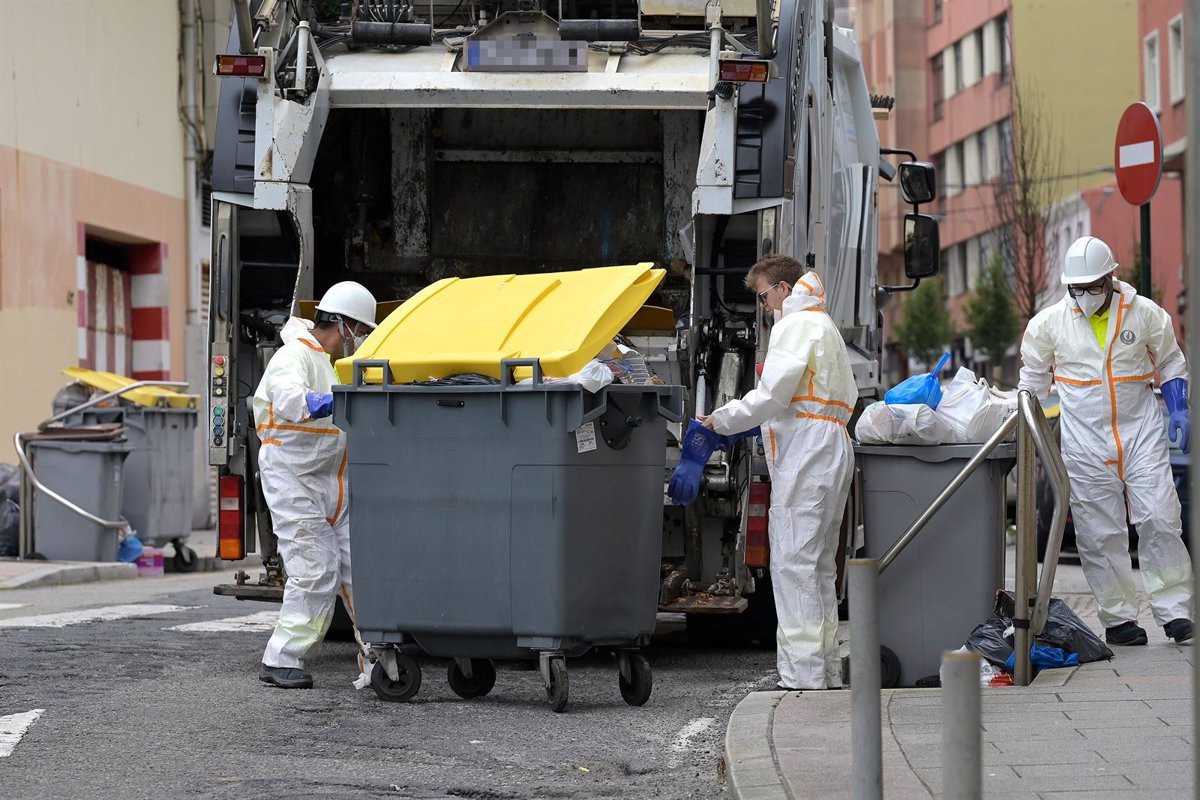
[1179,629]
[285,677]
[1126,634]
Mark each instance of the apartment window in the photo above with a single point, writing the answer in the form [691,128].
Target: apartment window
[959,84]
[971,163]
[1002,45]
[1006,147]
[985,169]
[937,11]
[972,262]
[1151,87]
[977,65]
[936,69]
[939,169]
[1175,58]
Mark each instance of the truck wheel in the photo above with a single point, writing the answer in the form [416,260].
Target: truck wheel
[637,690]
[397,691]
[483,678]
[557,691]
[185,559]
[889,668]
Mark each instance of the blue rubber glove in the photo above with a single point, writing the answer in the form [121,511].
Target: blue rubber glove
[320,404]
[698,445]
[728,441]
[1175,394]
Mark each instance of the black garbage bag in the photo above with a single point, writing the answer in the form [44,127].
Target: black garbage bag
[1064,629]
[10,517]
[993,640]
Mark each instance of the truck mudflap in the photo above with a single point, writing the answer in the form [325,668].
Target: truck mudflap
[244,590]
[705,604]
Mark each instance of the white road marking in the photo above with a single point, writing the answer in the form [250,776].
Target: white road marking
[103,614]
[260,622]
[683,739]
[7,606]
[13,727]
[1133,155]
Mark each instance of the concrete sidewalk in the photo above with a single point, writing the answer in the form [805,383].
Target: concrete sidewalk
[1109,729]
[17,574]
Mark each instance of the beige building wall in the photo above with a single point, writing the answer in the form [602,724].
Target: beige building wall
[90,139]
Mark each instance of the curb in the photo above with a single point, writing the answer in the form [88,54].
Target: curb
[751,768]
[751,772]
[66,573]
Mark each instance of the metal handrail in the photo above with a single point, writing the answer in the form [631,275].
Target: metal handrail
[1060,484]
[28,468]
[108,396]
[999,436]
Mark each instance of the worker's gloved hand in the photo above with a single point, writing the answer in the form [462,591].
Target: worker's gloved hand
[320,404]
[728,441]
[1175,395]
[698,444]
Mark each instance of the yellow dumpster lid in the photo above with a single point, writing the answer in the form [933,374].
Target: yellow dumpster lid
[152,396]
[459,325]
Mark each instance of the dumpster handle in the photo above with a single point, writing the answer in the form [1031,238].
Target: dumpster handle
[28,469]
[108,396]
[361,367]
[507,366]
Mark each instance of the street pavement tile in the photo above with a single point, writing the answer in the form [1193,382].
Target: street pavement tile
[1150,723]
[1126,794]
[1146,750]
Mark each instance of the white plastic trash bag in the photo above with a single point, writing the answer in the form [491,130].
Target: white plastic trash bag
[972,409]
[593,377]
[906,423]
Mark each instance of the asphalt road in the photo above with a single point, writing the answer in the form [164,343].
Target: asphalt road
[131,705]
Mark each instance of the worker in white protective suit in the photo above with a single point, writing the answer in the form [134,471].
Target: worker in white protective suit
[1103,346]
[302,465]
[803,401]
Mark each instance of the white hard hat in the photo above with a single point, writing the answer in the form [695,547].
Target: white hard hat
[351,300]
[1088,259]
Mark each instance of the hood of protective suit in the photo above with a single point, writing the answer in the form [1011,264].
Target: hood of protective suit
[296,328]
[809,292]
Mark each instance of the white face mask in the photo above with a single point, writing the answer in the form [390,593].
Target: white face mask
[350,342]
[1089,304]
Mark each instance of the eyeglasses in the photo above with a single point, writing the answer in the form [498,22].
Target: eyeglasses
[1094,291]
[762,296]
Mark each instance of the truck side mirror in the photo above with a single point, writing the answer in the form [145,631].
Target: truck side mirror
[922,246]
[918,182]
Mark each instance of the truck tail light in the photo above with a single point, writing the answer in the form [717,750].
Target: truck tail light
[745,70]
[240,66]
[758,546]
[231,546]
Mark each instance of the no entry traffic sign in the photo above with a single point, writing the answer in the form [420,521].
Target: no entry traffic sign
[1137,154]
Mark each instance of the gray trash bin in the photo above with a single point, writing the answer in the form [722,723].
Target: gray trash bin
[89,475]
[944,582]
[158,472]
[503,521]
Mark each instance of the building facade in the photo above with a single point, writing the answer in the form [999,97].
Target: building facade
[101,253]
[979,61]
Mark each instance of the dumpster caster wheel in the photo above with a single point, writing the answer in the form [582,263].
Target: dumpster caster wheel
[401,690]
[483,678]
[556,692]
[185,559]
[636,690]
[889,668]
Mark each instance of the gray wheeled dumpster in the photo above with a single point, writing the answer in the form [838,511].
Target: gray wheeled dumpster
[158,472]
[505,521]
[944,582]
[89,474]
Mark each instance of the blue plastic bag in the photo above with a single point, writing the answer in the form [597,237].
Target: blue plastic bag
[1045,657]
[923,388]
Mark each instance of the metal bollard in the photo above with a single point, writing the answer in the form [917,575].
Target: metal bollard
[865,702]
[962,758]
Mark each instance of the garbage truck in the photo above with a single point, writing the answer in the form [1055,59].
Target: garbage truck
[397,144]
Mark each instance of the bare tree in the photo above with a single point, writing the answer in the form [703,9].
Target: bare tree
[1025,195]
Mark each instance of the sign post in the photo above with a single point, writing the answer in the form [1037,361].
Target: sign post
[1137,157]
